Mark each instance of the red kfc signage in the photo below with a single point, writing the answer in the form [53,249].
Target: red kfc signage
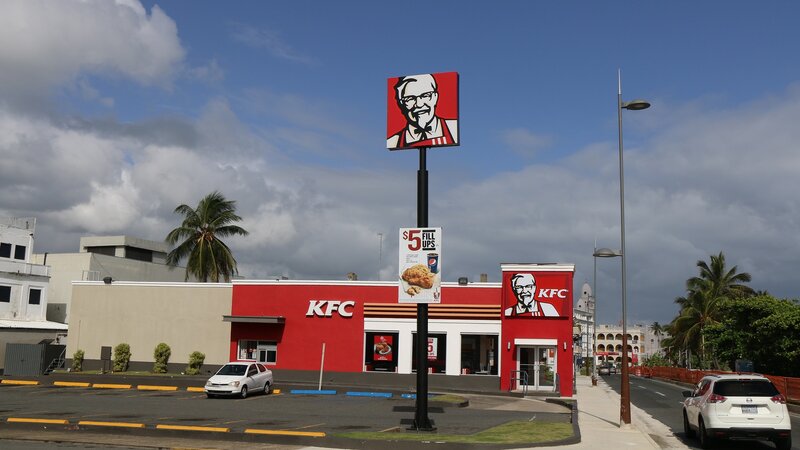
[422,111]
[536,294]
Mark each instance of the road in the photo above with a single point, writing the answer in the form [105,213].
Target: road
[663,401]
[306,414]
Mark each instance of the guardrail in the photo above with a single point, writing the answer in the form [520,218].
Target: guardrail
[788,386]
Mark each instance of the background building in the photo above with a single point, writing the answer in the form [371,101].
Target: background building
[24,288]
[609,343]
[584,318]
[118,258]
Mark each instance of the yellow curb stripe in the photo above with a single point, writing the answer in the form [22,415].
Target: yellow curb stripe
[27,420]
[144,387]
[195,389]
[111,424]
[286,432]
[71,383]
[20,382]
[111,386]
[192,428]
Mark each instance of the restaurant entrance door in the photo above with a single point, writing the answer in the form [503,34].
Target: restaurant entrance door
[539,363]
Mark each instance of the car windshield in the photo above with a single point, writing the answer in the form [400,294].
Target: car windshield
[232,369]
[745,388]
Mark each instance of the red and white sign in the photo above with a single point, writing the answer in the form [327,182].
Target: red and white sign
[432,346]
[420,265]
[326,308]
[422,111]
[536,294]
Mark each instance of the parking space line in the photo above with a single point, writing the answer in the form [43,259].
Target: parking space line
[145,387]
[286,432]
[111,424]
[29,420]
[111,386]
[71,383]
[192,428]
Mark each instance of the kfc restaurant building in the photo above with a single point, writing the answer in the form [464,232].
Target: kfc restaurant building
[518,331]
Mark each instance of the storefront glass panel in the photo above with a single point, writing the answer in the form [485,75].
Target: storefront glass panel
[539,367]
[380,352]
[478,354]
[437,353]
[265,352]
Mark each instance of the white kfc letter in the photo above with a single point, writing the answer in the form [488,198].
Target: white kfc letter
[315,308]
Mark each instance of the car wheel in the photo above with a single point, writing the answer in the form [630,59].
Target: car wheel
[705,440]
[244,391]
[268,388]
[210,395]
[687,429]
[783,443]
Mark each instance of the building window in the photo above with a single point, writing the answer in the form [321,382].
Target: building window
[108,251]
[437,353]
[265,352]
[138,254]
[5,294]
[19,252]
[479,354]
[380,351]
[5,250]
[35,296]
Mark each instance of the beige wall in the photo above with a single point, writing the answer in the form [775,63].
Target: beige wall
[69,267]
[185,316]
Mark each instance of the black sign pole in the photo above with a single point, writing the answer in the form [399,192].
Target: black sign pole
[421,420]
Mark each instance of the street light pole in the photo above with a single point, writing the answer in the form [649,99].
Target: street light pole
[625,397]
[598,253]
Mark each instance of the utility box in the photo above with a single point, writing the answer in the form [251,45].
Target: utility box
[30,360]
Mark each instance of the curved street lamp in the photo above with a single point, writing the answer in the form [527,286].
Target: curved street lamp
[625,397]
[598,253]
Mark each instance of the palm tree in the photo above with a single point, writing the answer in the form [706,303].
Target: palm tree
[716,280]
[199,235]
[700,307]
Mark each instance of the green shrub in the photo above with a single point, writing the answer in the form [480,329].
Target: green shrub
[196,360]
[161,355]
[122,356]
[77,361]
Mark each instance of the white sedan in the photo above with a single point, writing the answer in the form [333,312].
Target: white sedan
[239,378]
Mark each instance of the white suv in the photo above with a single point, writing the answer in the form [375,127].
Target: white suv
[737,406]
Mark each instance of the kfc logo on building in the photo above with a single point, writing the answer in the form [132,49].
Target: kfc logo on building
[326,308]
[532,302]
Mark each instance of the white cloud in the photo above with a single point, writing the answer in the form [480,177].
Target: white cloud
[269,40]
[45,47]
[524,142]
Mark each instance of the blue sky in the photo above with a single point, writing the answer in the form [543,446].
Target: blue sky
[113,113]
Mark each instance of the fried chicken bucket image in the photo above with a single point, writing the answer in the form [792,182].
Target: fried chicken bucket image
[418,277]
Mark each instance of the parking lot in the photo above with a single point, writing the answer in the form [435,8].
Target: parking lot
[308,419]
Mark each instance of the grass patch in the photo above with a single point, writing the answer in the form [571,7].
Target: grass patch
[516,432]
[448,398]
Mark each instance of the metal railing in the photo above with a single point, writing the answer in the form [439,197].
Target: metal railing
[56,363]
[522,378]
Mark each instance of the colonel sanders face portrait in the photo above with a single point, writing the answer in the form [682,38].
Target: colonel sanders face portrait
[417,97]
[524,287]
[417,120]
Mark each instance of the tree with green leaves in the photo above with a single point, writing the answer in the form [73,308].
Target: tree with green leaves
[198,238]
[700,307]
[762,329]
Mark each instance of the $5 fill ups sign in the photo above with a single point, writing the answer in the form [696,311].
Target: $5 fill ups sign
[420,265]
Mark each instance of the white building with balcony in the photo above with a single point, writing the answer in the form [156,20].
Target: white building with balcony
[609,344]
[583,317]
[23,288]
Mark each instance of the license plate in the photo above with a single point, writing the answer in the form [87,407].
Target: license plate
[749,409]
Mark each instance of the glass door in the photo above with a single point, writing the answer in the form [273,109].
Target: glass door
[538,363]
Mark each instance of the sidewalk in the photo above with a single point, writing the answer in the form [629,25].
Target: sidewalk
[598,420]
